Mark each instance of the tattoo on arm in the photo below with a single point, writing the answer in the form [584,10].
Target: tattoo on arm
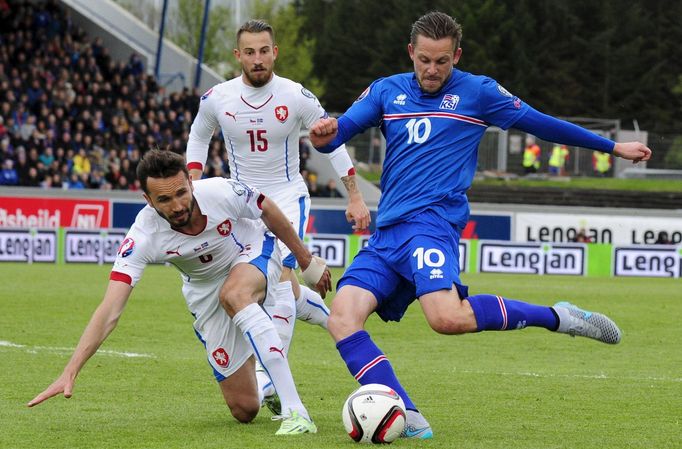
[350,184]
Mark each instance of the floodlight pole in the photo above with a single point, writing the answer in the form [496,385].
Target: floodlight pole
[202,39]
[159,47]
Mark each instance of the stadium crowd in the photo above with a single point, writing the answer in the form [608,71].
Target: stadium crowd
[73,117]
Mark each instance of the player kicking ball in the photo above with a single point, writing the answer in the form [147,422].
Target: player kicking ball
[433,120]
[210,230]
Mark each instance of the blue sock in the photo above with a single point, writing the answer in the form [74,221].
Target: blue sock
[495,313]
[368,364]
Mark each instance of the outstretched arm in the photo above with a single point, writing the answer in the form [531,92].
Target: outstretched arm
[559,131]
[315,271]
[103,321]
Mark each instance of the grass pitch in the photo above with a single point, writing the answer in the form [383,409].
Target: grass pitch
[151,387]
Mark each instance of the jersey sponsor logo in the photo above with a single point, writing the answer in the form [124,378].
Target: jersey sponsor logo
[504,91]
[172,252]
[199,248]
[255,121]
[229,114]
[307,93]
[221,357]
[363,94]
[208,92]
[127,247]
[225,228]
[450,101]
[282,113]
[400,100]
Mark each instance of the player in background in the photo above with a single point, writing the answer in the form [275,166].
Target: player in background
[433,121]
[229,262]
[261,116]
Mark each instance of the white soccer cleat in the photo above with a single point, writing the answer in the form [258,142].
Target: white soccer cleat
[576,321]
[416,426]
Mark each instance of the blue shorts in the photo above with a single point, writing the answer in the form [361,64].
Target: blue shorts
[404,261]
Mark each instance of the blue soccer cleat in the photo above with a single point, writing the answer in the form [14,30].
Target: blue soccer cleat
[576,321]
[416,426]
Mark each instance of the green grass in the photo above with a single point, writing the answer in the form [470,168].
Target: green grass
[525,389]
[642,185]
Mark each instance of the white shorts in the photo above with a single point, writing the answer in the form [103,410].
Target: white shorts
[296,207]
[226,347]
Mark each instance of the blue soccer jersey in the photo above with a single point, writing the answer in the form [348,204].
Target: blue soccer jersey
[431,140]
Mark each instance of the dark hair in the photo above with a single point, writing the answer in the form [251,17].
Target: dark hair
[256,26]
[436,25]
[160,164]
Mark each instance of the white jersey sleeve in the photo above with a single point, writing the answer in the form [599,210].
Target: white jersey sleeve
[201,132]
[135,252]
[311,111]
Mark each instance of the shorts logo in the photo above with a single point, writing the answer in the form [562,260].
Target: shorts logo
[221,358]
[225,228]
[436,273]
[450,101]
[127,247]
[282,113]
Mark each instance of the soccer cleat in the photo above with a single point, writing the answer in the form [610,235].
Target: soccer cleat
[273,404]
[294,424]
[576,321]
[416,426]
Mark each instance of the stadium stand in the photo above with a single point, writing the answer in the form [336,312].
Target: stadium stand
[71,116]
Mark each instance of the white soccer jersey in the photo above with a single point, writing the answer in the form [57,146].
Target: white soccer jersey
[231,231]
[261,128]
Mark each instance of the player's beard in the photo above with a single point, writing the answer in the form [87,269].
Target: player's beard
[432,90]
[172,220]
[258,78]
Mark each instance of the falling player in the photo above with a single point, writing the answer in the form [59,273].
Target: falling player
[229,262]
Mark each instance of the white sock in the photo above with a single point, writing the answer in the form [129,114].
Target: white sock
[265,386]
[283,313]
[267,346]
[310,307]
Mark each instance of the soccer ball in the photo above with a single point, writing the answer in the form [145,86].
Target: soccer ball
[374,413]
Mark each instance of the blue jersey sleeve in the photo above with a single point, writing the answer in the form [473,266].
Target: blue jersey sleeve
[498,106]
[559,131]
[365,113]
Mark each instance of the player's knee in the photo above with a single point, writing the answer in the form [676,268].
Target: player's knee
[234,299]
[244,411]
[341,326]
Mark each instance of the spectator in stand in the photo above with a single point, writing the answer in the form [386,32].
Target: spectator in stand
[8,175]
[601,163]
[557,160]
[581,237]
[330,191]
[531,156]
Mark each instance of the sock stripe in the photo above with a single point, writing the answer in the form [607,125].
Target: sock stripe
[369,366]
[503,310]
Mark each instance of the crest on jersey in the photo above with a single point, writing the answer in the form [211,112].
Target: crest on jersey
[127,247]
[363,94]
[208,92]
[225,228]
[282,113]
[221,358]
[504,91]
[307,93]
[450,101]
